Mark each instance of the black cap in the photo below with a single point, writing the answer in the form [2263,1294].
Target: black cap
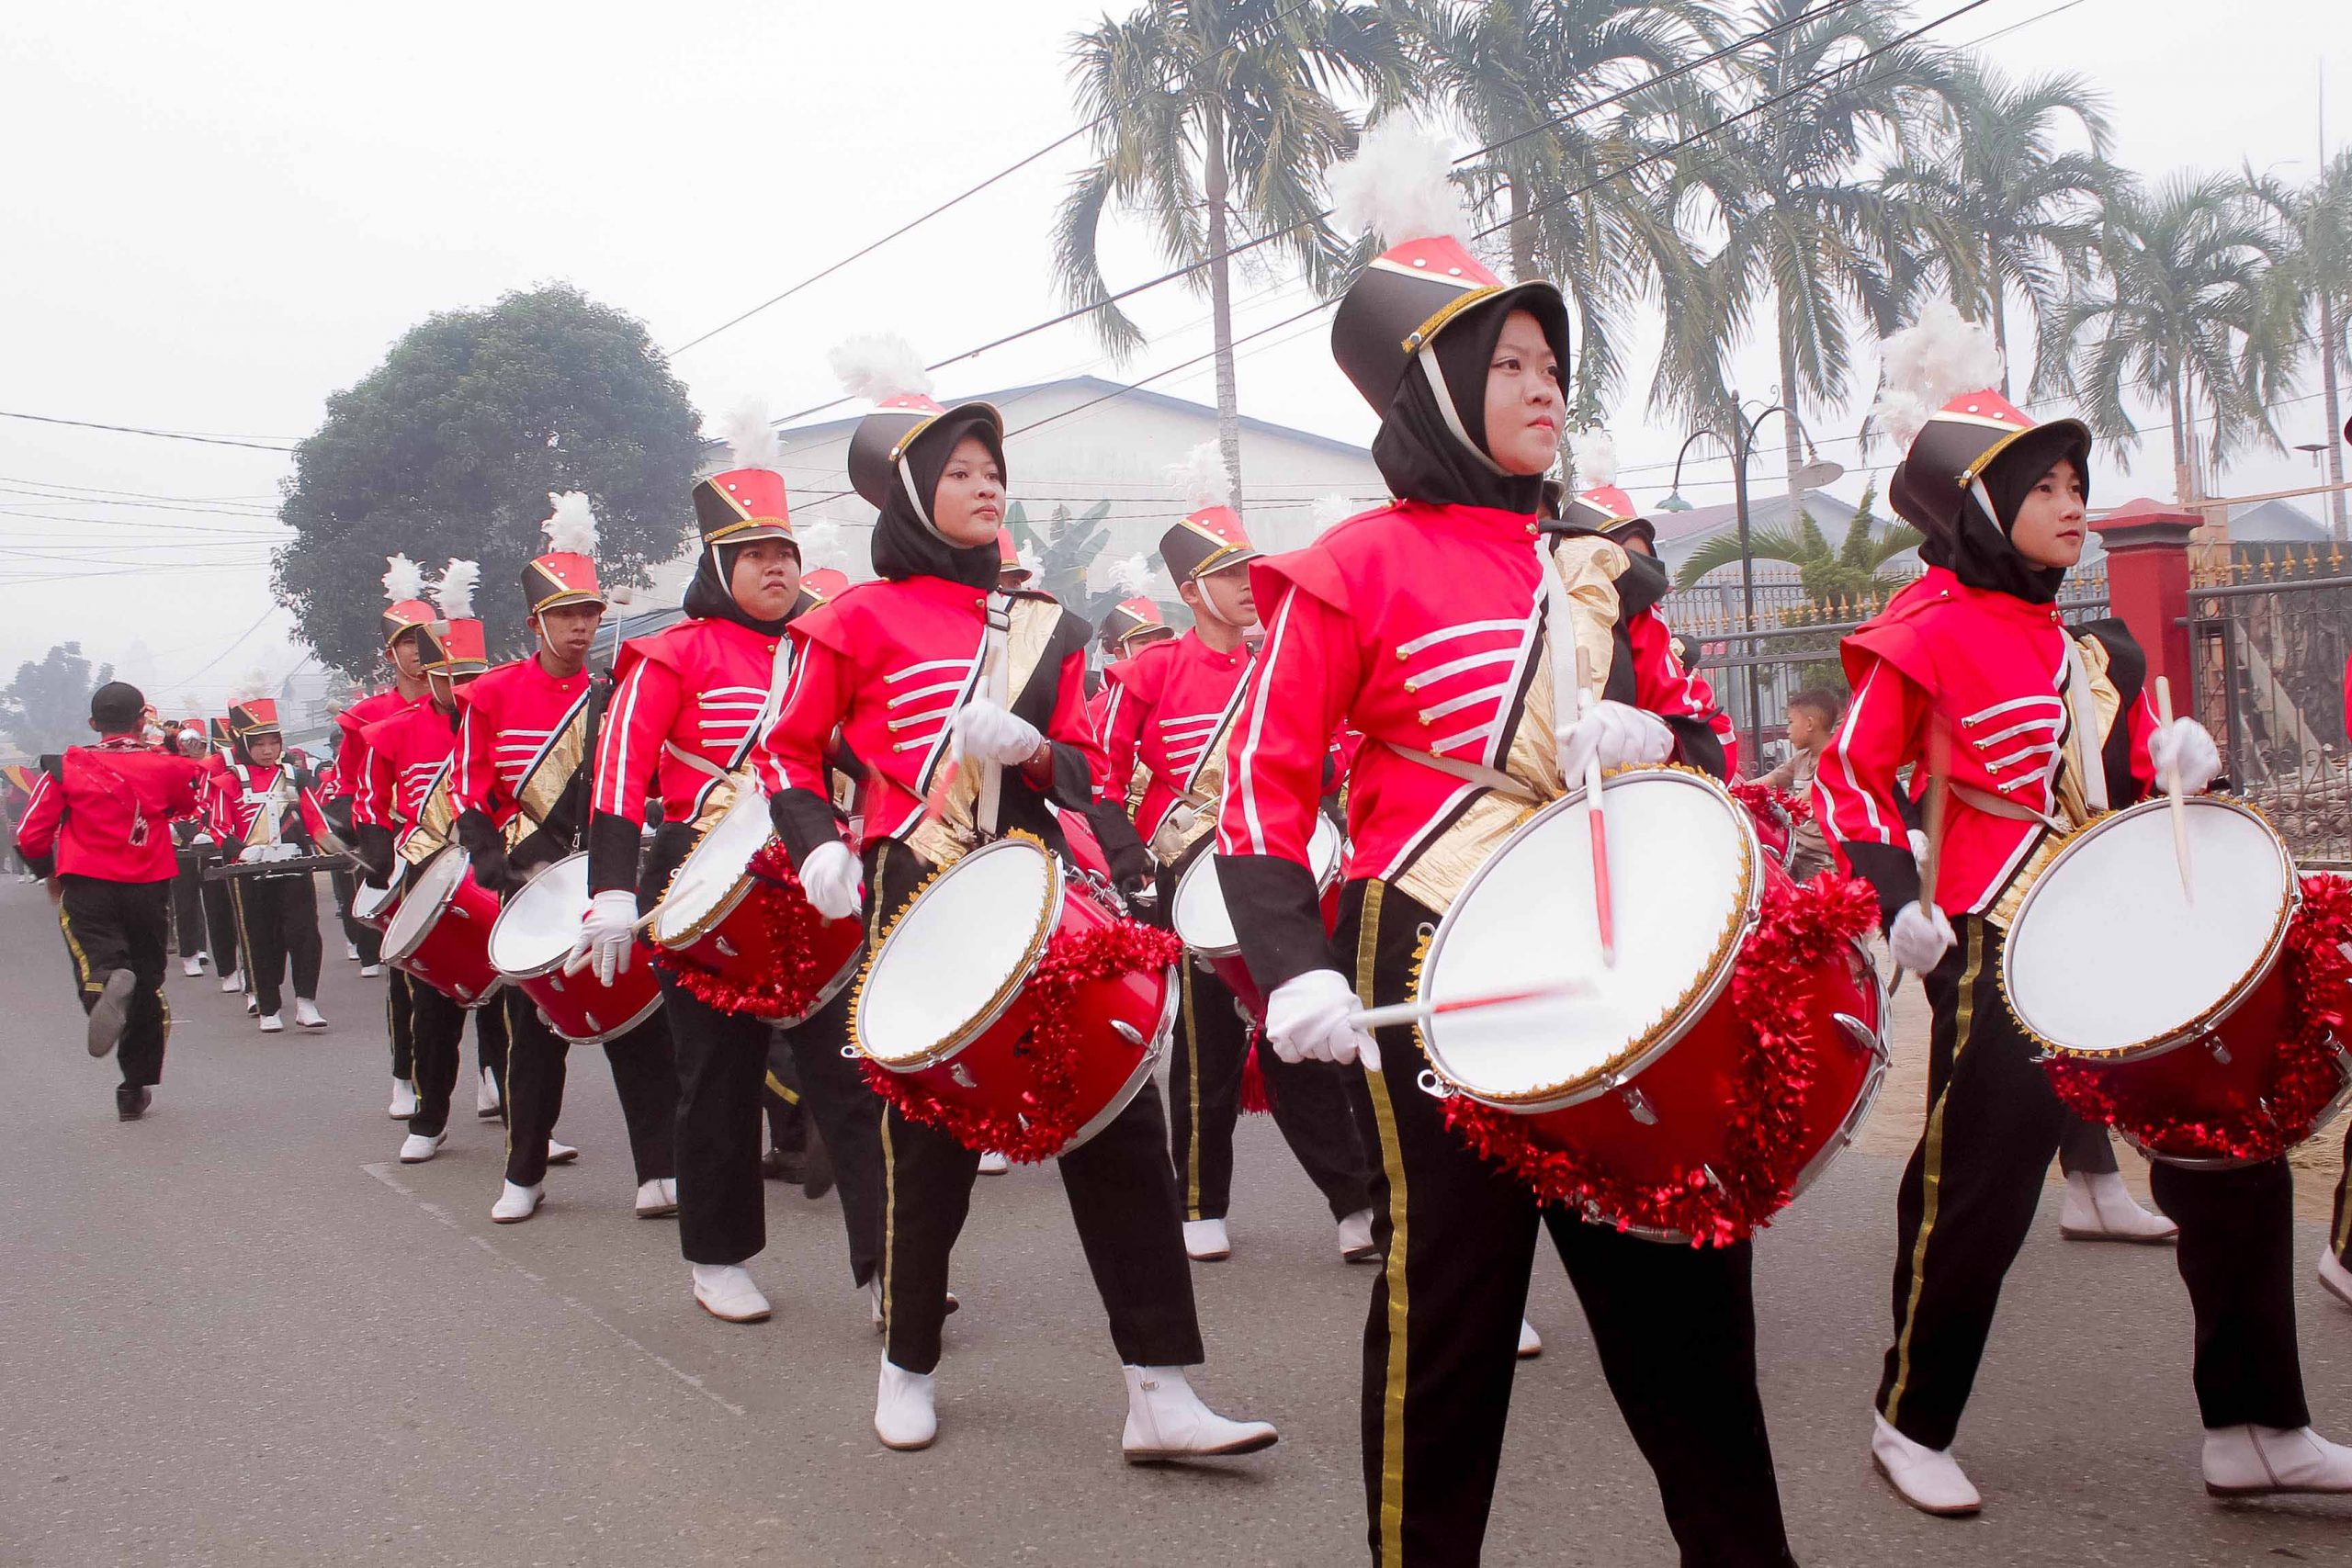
[118,707]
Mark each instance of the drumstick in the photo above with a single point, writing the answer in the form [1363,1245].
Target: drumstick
[2172,791]
[1414,1012]
[1596,817]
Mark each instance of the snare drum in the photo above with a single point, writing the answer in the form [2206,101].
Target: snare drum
[440,933]
[1206,926]
[1009,1006]
[735,929]
[533,938]
[374,906]
[1699,1085]
[2174,1020]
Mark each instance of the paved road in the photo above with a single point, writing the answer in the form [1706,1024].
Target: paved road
[237,1332]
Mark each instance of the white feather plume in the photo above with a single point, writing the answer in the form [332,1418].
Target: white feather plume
[879,366]
[1399,187]
[1929,363]
[1596,452]
[749,436]
[572,526]
[454,592]
[1332,509]
[254,684]
[403,579]
[620,596]
[1202,477]
[1029,562]
[1132,577]
[820,544]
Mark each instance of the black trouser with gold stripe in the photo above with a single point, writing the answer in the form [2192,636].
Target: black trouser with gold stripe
[1121,1197]
[279,916]
[357,931]
[188,904]
[2339,1230]
[122,925]
[221,938]
[1204,1069]
[1675,1326]
[1968,1197]
[400,1007]
[436,1031]
[645,1075]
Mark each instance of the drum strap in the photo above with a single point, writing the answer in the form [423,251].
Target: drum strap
[1478,773]
[779,677]
[1995,806]
[997,678]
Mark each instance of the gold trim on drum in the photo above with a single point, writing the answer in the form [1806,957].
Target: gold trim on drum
[1675,1021]
[718,912]
[993,1008]
[2232,998]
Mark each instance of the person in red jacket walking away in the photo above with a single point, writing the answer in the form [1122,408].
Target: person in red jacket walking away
[98,826]
[265,809]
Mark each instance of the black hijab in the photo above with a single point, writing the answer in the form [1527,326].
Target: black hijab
[708,597]
[905,545]
[1976,549]
[1417,451]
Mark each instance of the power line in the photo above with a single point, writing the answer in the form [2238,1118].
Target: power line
[144,430]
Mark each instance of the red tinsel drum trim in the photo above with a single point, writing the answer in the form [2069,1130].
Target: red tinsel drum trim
[798,975]
[1776,813]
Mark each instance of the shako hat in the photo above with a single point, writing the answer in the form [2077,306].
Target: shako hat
[405,608]
[566,574]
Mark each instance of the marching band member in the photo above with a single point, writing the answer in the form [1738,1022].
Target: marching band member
[220,933]
[197,849]
[1171,716]
[406,811]
[521,767]
[97,828]
[2047,728]
[1430,626]
[895,666]
[263,809]
[687,708]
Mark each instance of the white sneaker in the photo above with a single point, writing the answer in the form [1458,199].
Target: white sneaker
[1167,1420]
[515,1204]
[1205,1241]
[2334,1278]
[486,1096]
[905,1415]
[235,980]
[2101,1208]
[725,1290]
[2245,1461]
[416,1148]
[1930,1480]
[657,1199]
[370,971]
[994,1164]
[561,1154]
[1531,1344]
[271,1023]
[1355,1237]
[307,1013]
[403,1104]
[192,964]
[351,951]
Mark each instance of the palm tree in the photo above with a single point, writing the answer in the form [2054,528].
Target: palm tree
[2184,312]
[1214,118]
[1526,78]
[1809,240]
[2010,209]
[1847,571]
[2312,283]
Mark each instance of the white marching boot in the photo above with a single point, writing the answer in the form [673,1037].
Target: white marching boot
[516,1205]
[403,1104]
[351,952]
[272,1023]
[725,1290]
[192,964]
[416,1148]
[657,1199]
[1205,1241]
[307,1013]
[2249,1462]
[905,1414]
[232,982]
[486,1096]
[2334,1278]
[561,1154]
[1531,1344]
[1355,1237]
[370,971]
[1930,1480]
[2101,1208]
[994,1164]
[1167,1420]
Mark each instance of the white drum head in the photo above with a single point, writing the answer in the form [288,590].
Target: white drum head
[370,903]
[428,894]
[1200,916]
[539,922]
[957,953]
[712,870]
[2107,954]
[1685,876]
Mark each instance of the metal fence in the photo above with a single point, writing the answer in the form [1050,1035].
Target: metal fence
[2268,651]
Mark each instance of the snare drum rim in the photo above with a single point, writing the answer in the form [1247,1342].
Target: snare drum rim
[440,907]
[955,1040]
[2232,998]
[1747,909]
[395,888]
[1323,884]
[505,906]
[698,929]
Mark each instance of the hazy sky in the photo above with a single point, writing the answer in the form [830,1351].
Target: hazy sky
[213,217]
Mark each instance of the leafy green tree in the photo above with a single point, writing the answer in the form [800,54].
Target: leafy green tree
[1848,571]
[2312,286]
[47,706]
[450,446]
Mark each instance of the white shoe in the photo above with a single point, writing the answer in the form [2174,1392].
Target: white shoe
[403,1100]
[1531,1344]
[307,1013]
[351,951]
[1930,1480]
[725,1290]
[486,1096]
[905,1416]
[253,1008]
[416,1148]
[271,1023]
[232,981]
[1355,1237]
[1167,1420]
[994,1164]
[561,1154]
[2335,1278]
[2246,1461]
[657,1199]
[2101,1208]
[516,1205]
[192,964]
[1205,1241]
[370,971]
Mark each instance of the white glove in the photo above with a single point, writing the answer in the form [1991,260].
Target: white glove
[282,850]
[609,931]
[1918,846]
[1920,937]
[2184,745]
[1307,1021]
[988,733]
[830,877]
[1617,733]
[252,855]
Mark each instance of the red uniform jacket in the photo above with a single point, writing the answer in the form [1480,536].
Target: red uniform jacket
[108,814]
[1172,709]
[507,722]
[1995,669]
[238,792]
[407,754]
[351,775]
[684,704]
